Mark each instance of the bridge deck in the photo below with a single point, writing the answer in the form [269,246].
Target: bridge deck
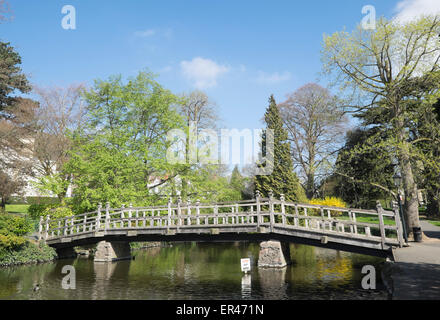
[256,220]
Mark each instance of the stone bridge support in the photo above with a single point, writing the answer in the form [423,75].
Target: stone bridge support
[112,251]
[274,254]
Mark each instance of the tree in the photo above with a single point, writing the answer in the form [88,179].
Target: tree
[377,65]
[199,112]
[61,112]
[16,123]
[283,179]
[351,168]
[124,144]
[316,125]
[237,183]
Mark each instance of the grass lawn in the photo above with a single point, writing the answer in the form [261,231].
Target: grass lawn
[370,219]
[17,208]
[436,223]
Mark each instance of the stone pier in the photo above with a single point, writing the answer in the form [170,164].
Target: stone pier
[274,254]
[112,251]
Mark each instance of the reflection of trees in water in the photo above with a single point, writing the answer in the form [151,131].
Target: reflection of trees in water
[18,282]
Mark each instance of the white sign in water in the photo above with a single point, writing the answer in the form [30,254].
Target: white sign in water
[245,265]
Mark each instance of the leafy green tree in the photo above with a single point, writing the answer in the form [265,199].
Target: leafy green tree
[377,66]
[124,145]
[283,179]
[352,169]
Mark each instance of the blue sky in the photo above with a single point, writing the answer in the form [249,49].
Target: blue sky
[238,52]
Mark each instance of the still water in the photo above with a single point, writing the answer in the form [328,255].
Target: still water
[199,271]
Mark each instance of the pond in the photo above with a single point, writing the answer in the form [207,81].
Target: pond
[199,271]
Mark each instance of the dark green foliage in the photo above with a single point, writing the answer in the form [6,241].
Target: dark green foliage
[28,253]
[283,179]
[373,164]
[11,75]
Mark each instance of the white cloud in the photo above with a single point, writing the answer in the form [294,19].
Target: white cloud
[407,10]
[145,33]
[203,72]
[273,78]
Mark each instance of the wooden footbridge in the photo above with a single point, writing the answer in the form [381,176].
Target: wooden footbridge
[260,219]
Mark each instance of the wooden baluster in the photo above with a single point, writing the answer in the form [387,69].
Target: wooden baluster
[130,215]
[351,219]
[329,217]
[152,219]
[353,215]
[283,209]
[295,219]
[65,226]
[198,212]
[188,212]
[215,215]
[399,226]
[98,217]
[40,229]
[46,234]
[143,219]
[271,211]
[59,228]
[179,211]
[122,215]
[107,216]
[381,224]
[257,196]
[169,212]
[306,221]
[85,223]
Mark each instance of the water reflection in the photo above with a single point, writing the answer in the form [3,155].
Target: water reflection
[197,271]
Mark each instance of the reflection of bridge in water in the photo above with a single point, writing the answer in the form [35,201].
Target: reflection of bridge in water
[261,219]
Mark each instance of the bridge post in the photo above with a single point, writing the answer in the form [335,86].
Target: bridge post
[122,215]
[198,211]
[381,224]
[271,210]
[257,198]
[46,233]
[399,226]
[107,216]
[283,209]
[169,212]
[98,217]
[274,254]
[179,211]
[40,229]
[188,212]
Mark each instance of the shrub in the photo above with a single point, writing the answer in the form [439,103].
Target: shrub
[58,212]
[28,253]
[35,211]
[14,225]
[330,202]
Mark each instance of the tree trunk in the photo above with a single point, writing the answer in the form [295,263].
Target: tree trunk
[411,206]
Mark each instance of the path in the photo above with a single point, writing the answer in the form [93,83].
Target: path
[416,270]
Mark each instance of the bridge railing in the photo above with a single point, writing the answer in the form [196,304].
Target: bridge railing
[380,225]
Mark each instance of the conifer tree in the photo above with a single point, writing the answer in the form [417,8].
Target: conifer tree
[283,179]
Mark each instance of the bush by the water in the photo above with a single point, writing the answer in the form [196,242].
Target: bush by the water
[54,210]
[12,230]
[27,253]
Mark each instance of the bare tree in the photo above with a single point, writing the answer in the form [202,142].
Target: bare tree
[5,11]
[61,111]
[16,128]
[199,111]
[316,127]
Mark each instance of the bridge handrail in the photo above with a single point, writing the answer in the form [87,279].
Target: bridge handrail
[264,210]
